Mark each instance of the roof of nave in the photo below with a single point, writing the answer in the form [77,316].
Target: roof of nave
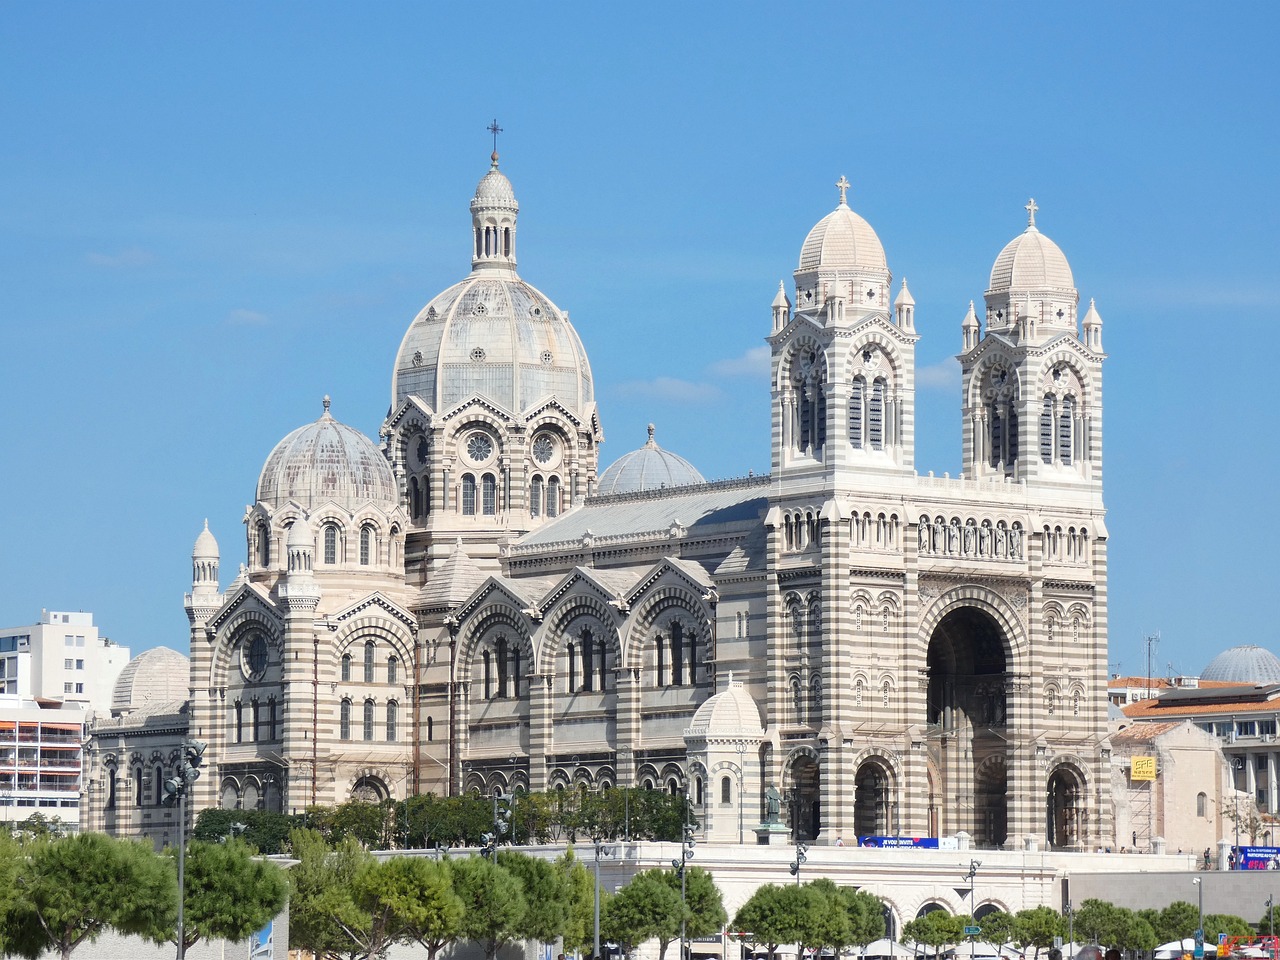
[633,515]
[454,580]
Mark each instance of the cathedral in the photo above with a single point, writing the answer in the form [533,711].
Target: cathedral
[841,648]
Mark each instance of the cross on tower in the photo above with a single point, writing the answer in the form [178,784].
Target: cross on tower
[1031,209]
[495,130]
[843,185]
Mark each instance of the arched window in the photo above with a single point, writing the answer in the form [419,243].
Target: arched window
[344,720]
[415,499]
[1202,804]
[1066,427]
[553,497]
[697,791]
[1046,431]
[370,652]
[366,545]
[677,655]
[468,495]
[239,714]
[273,718]
[489,495]
[660,647]
[158,776]
[392,716]
[572,654]
[111,788]
[264,545]
[506,241]
[857,411]
[515,672]
[588,660]
[501,650]
[330,543]
[137,786]
[535,497]
[393,669]
[258,720]
[875,415]
[346,668]
[431,728]
[368,719]
[726,790]
[486,674]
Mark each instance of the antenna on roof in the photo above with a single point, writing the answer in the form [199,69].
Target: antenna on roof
[1152,640]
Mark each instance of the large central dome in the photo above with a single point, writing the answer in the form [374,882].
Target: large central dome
[493,335]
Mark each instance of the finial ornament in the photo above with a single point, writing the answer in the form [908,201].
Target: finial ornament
[495,130]
[325,401]
[651,441]
[1031,209]
[843,186]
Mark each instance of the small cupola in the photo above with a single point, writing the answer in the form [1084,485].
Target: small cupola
[493,221]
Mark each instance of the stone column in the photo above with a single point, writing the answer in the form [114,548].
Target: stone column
[541,698]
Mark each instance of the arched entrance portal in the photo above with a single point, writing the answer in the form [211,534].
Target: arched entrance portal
[1063,811]
[370,790]
[806,813]
[872,803]
[966,716]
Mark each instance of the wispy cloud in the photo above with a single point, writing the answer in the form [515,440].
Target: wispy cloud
[669,390]
[132,257]
[247,318]
[753,363]
[940,376]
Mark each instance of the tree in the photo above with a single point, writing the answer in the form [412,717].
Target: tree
[934,929]
[1217,924]
[1098,921]
[494,908]
[1176,921]
[322,874]
[703,908]
[645,908]
[72,888]
[997,927]
[775,915]
[441,922]
[1132,932]
[229,894]
[1270,920]
[1037,927]
[10,854]
[579,886]
[544,890]
[866,915]
[833,928]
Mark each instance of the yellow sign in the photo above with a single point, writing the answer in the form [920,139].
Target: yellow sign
[1144,768]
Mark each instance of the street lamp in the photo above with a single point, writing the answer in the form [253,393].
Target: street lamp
[1198,881]
[686,854]
[1071,926]
[608,851]
[973,872]
[741,747]
[801,850]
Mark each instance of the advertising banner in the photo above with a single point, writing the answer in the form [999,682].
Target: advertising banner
[1259,858]
[923,843]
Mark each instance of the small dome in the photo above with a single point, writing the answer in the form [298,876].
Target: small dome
[730,713]
[327,460]
[1245,664]
[648,468]
[842,240]
[206,547]
[159,675]
[1031,261]
[301,536]
[494,189]
[904,297]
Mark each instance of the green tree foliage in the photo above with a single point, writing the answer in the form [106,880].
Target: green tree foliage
[441,923]
[935,929]
[494,907]
[866,915]
[1270,921]
[397,901]
[1097,920]
[545,891]
[1036,927]
[1133,932]
[775,915]
[72,888]
[645,908]
[1176,921]
[997,927]
[10,855]
[263,830]
[1219,924]
[579,885]
[833,928]
[321,874]
[229,894]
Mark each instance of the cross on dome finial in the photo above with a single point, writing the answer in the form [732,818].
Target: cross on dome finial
[651,440]
[494,129]
[843,185]
[1031,209]
[325,401]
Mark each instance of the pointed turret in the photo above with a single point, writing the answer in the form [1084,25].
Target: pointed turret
[781,308]
[1093,328]
[204,598]
[493,218]
[969,329]
[904,309]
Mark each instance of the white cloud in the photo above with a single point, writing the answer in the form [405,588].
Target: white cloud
[669,390]
[132,257]
[753,363]
[246,317]
[940,376]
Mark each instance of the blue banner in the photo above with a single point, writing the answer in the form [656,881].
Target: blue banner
[1259,858]
[923,843]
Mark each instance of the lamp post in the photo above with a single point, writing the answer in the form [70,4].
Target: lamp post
[1071,926]
[741,747]
[686,854]
[798,862]
[607,851]
[1198,881]
[1271,924]
[973,872]
[1237,763]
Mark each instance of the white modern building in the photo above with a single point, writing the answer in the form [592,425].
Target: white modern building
[61,657]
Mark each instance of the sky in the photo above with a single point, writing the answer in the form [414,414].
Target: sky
[212,215]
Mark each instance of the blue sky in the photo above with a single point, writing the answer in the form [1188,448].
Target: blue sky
[213,214]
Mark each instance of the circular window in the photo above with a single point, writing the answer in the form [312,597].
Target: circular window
[254,657]
[547,358]
[479,447]
[544,448]
[477,355]
[423,451]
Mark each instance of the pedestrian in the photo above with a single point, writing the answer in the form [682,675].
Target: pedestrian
[839,841]
[1207,858]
